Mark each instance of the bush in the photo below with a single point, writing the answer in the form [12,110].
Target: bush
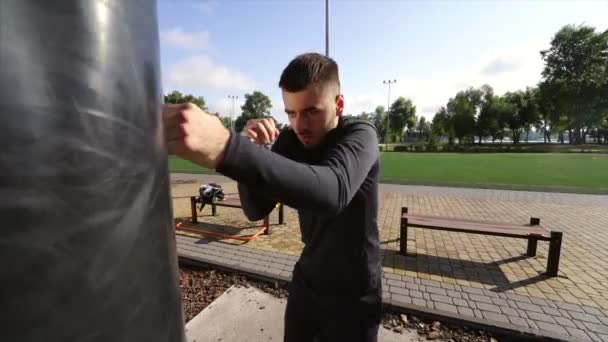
[401,148]
[429,146]
[431,143]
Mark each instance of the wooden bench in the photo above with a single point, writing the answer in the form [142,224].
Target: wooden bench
[533,232]
[233,202]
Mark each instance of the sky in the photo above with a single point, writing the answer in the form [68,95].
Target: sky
[432,49]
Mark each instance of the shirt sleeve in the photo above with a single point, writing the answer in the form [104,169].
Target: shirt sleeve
[256,205]
[325,188]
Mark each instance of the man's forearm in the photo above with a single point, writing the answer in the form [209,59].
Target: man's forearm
[325,188]
[255,205]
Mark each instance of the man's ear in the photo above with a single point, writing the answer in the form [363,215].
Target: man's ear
[339,104]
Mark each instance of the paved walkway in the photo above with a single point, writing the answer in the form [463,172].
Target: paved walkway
[247,314]
[470,276]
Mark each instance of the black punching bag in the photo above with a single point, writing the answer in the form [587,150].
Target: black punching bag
[87,249]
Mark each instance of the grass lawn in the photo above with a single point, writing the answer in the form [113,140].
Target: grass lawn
[586,173]
[184,166]
[523,171]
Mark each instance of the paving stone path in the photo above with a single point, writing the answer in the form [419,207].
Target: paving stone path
[470,276]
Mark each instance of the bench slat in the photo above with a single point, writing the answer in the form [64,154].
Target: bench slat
[458,219]
[470,226]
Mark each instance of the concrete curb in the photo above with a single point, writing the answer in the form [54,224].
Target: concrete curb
[478,323]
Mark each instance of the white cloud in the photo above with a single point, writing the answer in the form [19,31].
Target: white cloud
[500,65]
[355,104]
[179,38]
[505,70]
[223,105]
[202,73]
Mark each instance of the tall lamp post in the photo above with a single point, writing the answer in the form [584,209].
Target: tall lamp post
[388,111]
[233,97]
[327,28]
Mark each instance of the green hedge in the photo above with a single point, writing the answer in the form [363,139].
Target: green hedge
[498,148]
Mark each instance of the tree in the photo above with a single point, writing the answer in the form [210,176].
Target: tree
[529,113]
[502,111]
[363,116]
[379,120]
[462,109]
[552,112]
[423,128]
[442,125]
[512,113]
[177,97]
[487,119]
[402,114]
[602,130]
[547,122]
[257,105]
[576,70]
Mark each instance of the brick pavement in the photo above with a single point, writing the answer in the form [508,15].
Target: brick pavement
[555,319]
[474,276]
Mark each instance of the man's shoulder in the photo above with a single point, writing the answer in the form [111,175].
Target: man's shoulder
[350,124]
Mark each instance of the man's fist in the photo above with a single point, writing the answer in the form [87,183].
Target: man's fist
[261,131]
[194,135]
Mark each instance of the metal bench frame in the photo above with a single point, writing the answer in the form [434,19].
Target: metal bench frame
[532,232]
[234,202]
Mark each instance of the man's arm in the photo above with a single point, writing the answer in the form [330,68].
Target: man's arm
[324,188]
[256,205]
[328,187]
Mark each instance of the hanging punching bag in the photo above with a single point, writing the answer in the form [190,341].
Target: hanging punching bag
[87,249]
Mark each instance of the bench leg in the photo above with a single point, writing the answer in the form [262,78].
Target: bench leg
[403,233]
[266,225]
[213,209]
[281,218]
[532,244]
[193,209]
[555,247]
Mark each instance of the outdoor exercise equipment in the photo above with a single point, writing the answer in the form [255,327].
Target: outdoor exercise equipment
[87,246]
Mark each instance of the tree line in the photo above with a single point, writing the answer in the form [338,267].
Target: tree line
[571,99]
[257,105]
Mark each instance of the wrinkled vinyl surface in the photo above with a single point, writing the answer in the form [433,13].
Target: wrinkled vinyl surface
[87,250]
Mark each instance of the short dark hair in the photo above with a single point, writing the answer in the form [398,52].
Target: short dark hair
[307,69]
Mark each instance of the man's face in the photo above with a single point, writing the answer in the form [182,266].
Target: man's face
[313,112]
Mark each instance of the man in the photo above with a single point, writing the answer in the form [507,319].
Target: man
[324,166]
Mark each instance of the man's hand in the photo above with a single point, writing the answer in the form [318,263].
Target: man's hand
[261,131]
[194,135]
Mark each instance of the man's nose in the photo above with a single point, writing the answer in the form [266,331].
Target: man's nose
[301,124]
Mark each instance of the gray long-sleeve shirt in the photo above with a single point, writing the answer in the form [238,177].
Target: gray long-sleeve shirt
[334,188]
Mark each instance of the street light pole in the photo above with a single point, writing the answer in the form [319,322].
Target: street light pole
[388,111]
[233,97]
[327,28]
